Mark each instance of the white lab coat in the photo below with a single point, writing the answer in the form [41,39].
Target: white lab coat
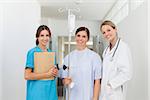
[116,72]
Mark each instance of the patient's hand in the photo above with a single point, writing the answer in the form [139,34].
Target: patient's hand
[67,81]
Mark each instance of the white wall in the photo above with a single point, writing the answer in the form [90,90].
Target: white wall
[1,54]
[134,31]
[21,19]
[148,50]
[60,27]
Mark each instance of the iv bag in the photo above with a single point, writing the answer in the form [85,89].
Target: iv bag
[71,22]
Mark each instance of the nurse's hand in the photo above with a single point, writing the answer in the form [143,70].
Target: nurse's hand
[67,81]
[53,71]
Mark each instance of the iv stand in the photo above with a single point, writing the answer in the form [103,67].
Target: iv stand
[71,26]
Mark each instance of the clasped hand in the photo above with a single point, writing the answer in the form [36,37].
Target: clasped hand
[53,71]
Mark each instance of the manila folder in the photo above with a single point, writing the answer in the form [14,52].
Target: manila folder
[43,61]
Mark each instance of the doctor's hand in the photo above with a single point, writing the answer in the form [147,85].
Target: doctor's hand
[109,89]
[67,81]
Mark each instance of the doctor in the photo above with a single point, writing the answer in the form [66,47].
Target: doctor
[116,64]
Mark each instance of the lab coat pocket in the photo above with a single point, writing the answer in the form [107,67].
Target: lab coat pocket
[109,90]
[112,72]
[109,93]
[114,94]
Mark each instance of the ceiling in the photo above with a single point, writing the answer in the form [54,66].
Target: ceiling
[83,9]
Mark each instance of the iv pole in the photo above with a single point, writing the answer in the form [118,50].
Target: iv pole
[71,26]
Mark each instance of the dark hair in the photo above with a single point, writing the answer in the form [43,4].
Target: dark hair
[108,22]
[41,28]
[83,29]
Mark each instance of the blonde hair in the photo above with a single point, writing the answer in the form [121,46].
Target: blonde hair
[108,22]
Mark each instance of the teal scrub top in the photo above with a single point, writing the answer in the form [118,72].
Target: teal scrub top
[39,89]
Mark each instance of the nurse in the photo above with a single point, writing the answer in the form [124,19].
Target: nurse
[38,89]
[84,69]
[116,64]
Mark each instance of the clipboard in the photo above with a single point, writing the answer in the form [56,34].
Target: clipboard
[43,61]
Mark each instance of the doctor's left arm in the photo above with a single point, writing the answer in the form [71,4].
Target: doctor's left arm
[124,69]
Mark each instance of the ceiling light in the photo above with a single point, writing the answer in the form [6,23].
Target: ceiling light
[78,2]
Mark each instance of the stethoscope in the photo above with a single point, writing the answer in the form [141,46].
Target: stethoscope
[112,57]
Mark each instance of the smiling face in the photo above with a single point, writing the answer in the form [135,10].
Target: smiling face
[43,38]
[43,35]
[109,33]
[81,38]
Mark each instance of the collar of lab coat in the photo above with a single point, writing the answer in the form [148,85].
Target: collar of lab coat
[113,49]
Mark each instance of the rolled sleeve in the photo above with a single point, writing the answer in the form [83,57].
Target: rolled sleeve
[30,59]
[64,73]
[97,64]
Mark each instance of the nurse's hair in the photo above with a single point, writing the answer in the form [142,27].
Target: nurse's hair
[108,22]
[39,30]
[83,29]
